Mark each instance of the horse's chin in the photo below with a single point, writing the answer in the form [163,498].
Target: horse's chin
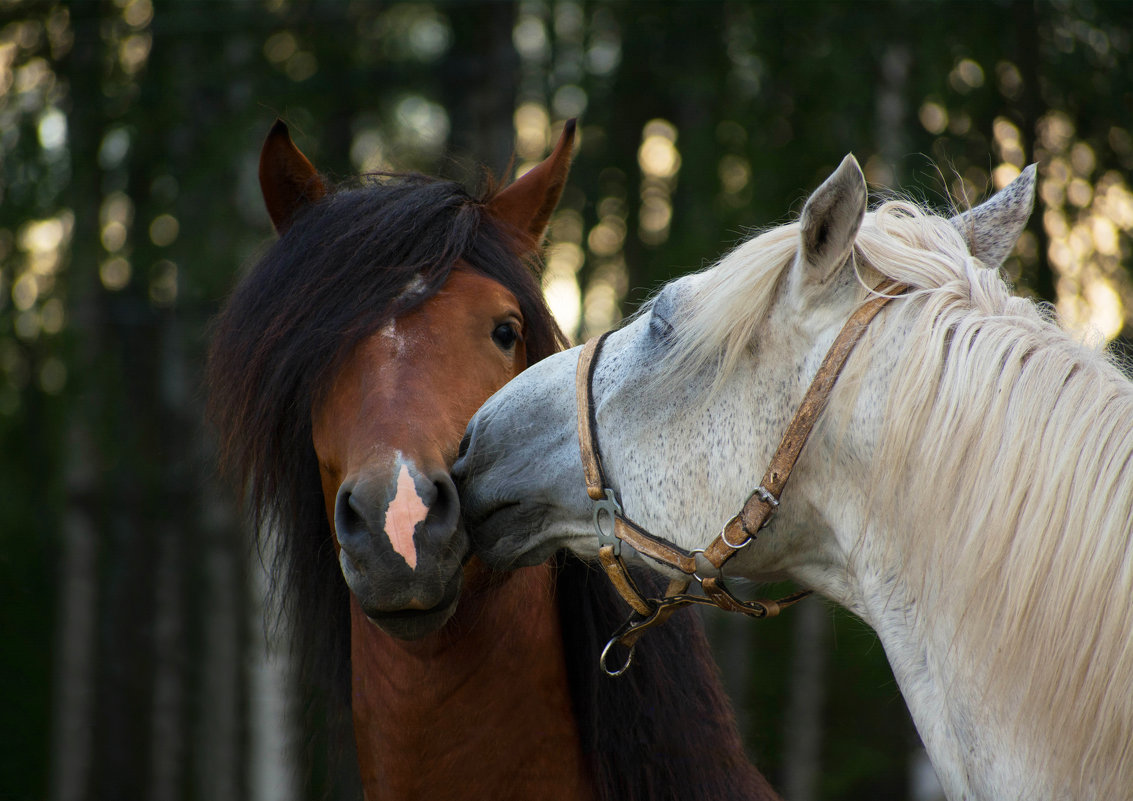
[415,624]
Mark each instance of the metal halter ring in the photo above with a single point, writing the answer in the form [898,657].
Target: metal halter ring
[729,543]
[693,554]
[605,653]
[719,570]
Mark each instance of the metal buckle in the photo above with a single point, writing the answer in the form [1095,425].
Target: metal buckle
[766,496]
[611,507]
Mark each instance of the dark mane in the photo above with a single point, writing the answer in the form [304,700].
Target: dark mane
[347,264]
[665,729]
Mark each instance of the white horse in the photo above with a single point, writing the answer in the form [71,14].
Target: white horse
[968,490]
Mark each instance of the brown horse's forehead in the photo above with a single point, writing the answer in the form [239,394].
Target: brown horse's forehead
[451,329]
[471,294]
[421,374]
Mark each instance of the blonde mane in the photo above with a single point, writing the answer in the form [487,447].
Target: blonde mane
[727,303]
[1007,459]
[1005,463]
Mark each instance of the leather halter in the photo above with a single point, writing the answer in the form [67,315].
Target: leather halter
[738,533]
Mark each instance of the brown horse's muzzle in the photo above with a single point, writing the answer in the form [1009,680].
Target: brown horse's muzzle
[402,545]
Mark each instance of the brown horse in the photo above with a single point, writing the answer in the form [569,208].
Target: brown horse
[350,359]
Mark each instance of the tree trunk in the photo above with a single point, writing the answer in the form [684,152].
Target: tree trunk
[1040,277]
[275,738]
[803,764]
[891,109]
[479,88]
[73,725]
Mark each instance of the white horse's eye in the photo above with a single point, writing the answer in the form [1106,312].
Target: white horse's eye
[660,328]
[661,315]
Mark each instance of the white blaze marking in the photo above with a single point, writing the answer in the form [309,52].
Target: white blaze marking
[390,333]
[404,513]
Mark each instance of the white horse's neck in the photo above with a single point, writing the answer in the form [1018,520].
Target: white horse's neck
[975,749]
[971,747]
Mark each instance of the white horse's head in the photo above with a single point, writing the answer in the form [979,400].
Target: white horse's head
[693,395]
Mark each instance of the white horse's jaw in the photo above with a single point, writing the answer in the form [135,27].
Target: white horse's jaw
[517,472]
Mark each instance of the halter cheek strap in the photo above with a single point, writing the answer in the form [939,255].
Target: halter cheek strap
[614,528]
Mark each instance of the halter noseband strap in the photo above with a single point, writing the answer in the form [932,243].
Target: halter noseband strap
[614,528]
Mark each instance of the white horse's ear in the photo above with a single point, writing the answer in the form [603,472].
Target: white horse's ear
[992,228]
[830,222]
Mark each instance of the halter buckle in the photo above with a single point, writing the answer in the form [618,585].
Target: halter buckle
[765,495]
[610,506]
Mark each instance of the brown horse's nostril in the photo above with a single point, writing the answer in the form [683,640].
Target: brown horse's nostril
[352,515]
[444,513]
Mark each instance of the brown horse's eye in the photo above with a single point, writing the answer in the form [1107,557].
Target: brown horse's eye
[505,335]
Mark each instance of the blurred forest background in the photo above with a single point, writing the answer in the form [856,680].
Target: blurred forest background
[133,653]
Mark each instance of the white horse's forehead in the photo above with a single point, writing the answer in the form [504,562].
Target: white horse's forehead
[679,290]
[627,360]
[666,444]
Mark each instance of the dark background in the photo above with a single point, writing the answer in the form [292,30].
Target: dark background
[133,655]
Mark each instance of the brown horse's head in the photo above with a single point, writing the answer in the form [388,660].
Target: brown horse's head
[387,415]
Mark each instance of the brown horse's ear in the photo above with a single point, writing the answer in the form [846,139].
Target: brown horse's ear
[287,179]
[527,204]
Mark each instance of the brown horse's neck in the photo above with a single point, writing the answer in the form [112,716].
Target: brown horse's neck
[481,709]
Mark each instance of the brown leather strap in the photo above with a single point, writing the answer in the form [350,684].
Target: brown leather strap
[722,597]
[587,438]
[623,582]
[719,596]
[625,529]
[647,545]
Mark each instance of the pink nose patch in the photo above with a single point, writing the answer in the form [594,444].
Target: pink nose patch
[404,513]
